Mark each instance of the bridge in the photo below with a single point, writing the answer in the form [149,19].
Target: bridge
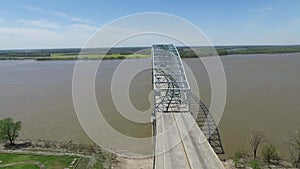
[186,135]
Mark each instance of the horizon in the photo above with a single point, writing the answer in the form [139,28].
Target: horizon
[217,46]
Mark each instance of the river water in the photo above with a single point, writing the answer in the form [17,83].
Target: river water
[263,92]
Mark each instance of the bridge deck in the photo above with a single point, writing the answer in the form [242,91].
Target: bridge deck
[179,142]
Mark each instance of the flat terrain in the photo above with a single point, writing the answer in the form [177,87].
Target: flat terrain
[66,56]
[25,161]
[139,52]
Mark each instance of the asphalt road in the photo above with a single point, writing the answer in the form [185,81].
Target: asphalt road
[181,144]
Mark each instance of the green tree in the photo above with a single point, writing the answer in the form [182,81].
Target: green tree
[9,130]
[269,153]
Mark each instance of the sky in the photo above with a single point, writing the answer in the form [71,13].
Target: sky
[70,23]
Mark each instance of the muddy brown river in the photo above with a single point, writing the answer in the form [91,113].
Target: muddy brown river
[263,93]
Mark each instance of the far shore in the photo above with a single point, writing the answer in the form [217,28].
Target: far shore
[139,52]
[109,57]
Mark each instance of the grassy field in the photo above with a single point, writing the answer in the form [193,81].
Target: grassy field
[50,162]
[66,56]
[24,166]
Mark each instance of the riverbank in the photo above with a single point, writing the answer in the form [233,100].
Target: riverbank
[45,153]
[78,156]
[249,163]
[138,52]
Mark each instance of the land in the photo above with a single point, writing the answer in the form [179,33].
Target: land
[48,154]
[249,163]
[18,160]
[42,154]
[137,52]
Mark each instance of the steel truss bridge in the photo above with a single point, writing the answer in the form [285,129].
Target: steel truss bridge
[186,135]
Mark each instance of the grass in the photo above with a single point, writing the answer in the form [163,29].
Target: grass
[254,164]
[83,163]
[74,56]
[24,166]
[98,165]
[50,162]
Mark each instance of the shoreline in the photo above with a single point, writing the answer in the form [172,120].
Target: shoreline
[92,152]
[120,57]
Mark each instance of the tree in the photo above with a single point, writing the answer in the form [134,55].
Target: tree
[9,130]
[254,140]
[269,153]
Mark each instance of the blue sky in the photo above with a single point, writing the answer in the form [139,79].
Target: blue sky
[69,23]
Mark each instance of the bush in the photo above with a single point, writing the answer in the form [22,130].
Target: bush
[254,164]
[269,153]
[294,149]
[238,155]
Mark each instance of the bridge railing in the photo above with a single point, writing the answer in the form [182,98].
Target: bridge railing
[207,124]
[171,88]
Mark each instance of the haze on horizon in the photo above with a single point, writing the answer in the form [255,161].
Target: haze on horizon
[56,24]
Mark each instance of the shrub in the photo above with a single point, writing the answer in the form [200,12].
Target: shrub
[238,155]
[294,149]
[254,164]
[269,153]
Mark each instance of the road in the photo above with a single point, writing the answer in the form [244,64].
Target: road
[181,144]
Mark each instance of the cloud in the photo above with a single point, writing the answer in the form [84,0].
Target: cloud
[82,27]
[39,23]
[2,19]
[61,14]
[33,8]
[266,9]
[72,18]
[79,20]
[74,35]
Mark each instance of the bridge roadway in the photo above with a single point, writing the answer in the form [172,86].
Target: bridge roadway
[179,143]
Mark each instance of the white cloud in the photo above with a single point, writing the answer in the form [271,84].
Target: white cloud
[74,35]
[39,23]
[82,28]
[266,9]
[61,14]
[79,20]
[72,18]
[33,8]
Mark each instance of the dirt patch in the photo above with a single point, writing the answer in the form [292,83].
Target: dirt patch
[134,163]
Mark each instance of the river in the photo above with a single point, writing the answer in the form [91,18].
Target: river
[263,92]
